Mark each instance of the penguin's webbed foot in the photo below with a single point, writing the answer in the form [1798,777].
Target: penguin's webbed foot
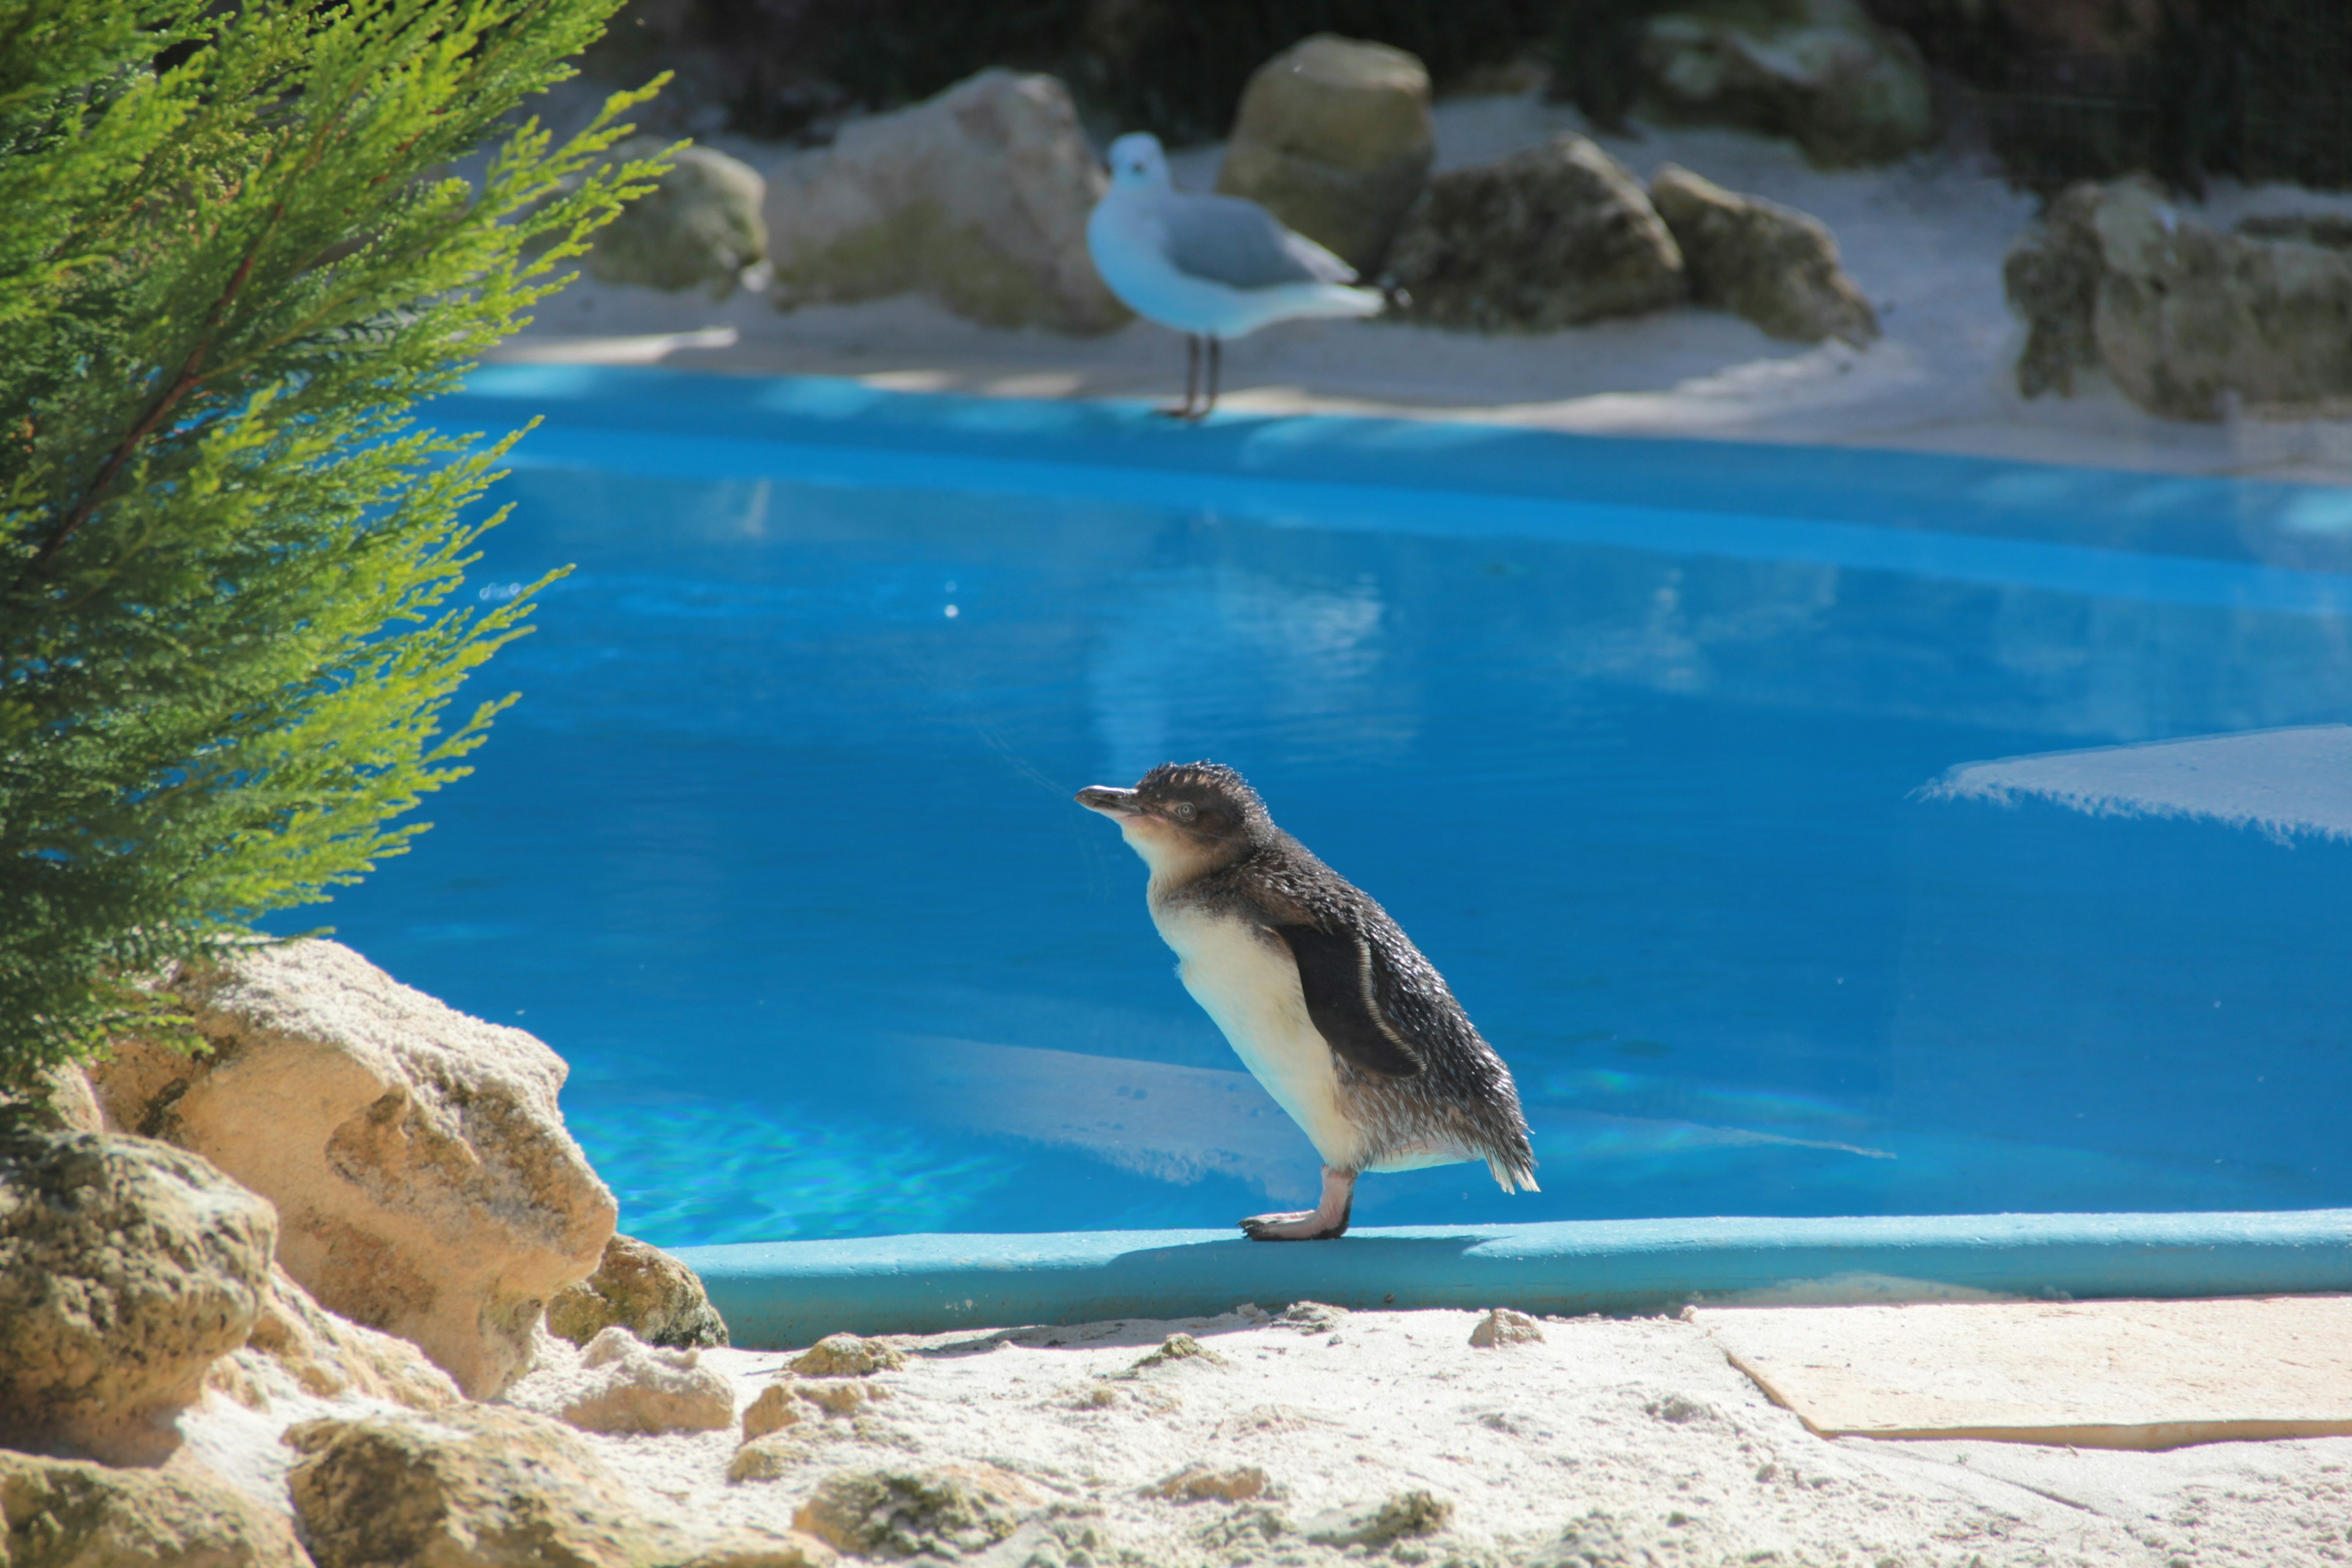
[1311,1225]
[1327,1221]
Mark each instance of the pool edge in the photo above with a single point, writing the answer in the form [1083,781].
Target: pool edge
[778,1294]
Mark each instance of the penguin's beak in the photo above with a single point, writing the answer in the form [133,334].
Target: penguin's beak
[1110,801]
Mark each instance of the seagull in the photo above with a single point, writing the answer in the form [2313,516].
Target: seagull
[1212,267]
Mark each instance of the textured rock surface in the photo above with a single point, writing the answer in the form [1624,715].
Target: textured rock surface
[847,1356]
[642,1290]
[476,1486]
[948,1511]
[1334,138]
[769,1458]
[977,198]
[2183,316]
[1405,1514]
[424,1181]
[126,1268]
[633,1387]
[67,1513]
[1775,265]
[699,228]
[1549,237]
[764,1549]
[298,1347]
[772,1411]
[1505,1327]
[1195,1483]
[1818,71]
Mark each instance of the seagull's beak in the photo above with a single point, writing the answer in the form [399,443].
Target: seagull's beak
[1117,803]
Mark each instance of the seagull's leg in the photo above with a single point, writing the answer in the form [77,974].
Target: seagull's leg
[1217,360]
[1192,379]
[1326,1221]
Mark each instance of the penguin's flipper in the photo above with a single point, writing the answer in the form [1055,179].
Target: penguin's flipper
[1334,971]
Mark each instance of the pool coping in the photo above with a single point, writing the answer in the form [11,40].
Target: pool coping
[776,1295]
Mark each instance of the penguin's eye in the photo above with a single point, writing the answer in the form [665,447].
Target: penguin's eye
[1186,811]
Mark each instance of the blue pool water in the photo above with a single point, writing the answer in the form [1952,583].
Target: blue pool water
[1642,743]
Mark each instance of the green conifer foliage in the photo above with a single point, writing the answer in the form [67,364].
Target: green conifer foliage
[232,264]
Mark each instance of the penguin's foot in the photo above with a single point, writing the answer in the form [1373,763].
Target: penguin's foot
[1327,1221]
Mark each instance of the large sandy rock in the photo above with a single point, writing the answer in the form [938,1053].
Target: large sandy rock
[1774,265]
[126,1269]
[424,1181]
[1549,237]
[1334,138]
[697,228]
[642,1290]
[66,1513]
[977,198]
[948,1511]
[476,1486]
[2183,316]
[1820,72]
[298,1348]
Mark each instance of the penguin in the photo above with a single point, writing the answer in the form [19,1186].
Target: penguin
[1325,1000]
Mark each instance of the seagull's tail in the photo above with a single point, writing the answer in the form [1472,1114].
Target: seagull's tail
[1340,299]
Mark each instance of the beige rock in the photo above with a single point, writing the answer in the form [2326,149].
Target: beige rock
[769,1458]
[1549,237]
[298,1347]
[772,1411]
[126,1268]
[841,1399]
[1194,1482]
[1818,71]
[1312,1317]
[1334,138]
[977,198]
[2183,316]
[847,1356]
[1178,1350]
[698,228]
[639,1389]
[1775,265]
[764,1549]
[644,1291]
[476,1486]
[423,1180]
[58,1099]
[1405,1514]
[1503,1326]
[67,1513]
[1598,1540]
[947,1511]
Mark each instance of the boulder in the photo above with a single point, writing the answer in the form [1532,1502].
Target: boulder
[68,1513]
[642,1290]
[977,198]
[1334,138]
[1549,237]
[764,1549]
[126,1268]
[57,1098]
[768,1458]
[1775,265]
[2184,317]
[698,228]
[772,1411]
[631,1387]
[424,1183]
[946,1513]
[1405,1514]
[1820,72]
[298,1348]
[476,1486]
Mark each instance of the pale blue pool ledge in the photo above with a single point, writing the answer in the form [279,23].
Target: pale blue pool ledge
[775,1295]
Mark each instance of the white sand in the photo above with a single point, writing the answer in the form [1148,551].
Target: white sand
[1924,239]
[1644,1419]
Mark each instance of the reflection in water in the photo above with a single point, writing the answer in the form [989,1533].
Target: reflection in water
[771,842]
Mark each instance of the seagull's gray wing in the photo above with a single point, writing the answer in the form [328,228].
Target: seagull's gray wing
[1237,243]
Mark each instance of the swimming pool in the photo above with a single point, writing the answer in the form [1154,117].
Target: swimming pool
[1801,825]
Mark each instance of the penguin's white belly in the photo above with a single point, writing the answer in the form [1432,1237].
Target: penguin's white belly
[1245,978]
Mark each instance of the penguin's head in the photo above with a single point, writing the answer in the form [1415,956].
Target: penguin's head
[1185,818]
[1136,159]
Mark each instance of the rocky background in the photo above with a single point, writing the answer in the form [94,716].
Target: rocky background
[951,151]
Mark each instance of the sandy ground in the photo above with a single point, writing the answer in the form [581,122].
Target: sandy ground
[1924,239]
[1642,1420]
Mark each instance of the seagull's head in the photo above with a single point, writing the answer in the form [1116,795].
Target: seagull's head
[1136,161]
